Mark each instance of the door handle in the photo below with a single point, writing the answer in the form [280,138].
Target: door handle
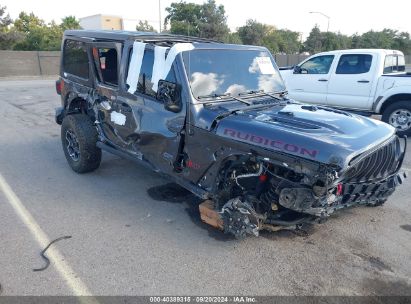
[363,81]
[323,80]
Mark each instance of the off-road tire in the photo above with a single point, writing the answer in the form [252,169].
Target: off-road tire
[404,104]
[89,155]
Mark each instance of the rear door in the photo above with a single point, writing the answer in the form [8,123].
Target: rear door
[107,57]
[76,70]
[309,84]
[351,83]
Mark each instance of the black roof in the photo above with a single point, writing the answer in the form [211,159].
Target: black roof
[148,37]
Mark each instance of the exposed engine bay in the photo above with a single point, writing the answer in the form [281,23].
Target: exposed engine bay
[255,194]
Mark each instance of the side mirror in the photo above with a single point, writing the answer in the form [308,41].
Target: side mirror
[297,70]
[169,93]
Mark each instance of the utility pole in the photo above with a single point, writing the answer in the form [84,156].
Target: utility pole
[159,13]
[328,18]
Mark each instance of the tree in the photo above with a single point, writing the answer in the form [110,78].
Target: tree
[252,32]
[8,37]
[184,18]
[402,42]
[277,41]
[376,40]
[144,27]
[27,22]
[319,41]
[70,23]
[385,39]
[213,22]
[288,41]
[335,41]
[38,36]
[42,38]
[206,20]
[5,20]
[314,41]
[232,38]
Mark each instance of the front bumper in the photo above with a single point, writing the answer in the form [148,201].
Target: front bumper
[303,199]
[351,193]
[371,192]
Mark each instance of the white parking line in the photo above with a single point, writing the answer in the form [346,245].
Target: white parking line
[75,284]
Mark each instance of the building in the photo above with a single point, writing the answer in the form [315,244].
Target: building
[101,22]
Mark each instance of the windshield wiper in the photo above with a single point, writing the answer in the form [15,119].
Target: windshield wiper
[263,93]
[219,96]
[252,92]
[242,100]
[215,95]
[279,93]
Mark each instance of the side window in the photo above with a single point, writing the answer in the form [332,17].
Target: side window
[75,58]
[354,64]
[144,85]
[394,64]
[108,65]
[317,65]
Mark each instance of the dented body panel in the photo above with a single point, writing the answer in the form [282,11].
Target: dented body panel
[259,158]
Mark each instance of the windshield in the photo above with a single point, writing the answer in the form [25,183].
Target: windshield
[220,72]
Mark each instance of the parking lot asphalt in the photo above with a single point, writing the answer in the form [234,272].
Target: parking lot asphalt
[128,241]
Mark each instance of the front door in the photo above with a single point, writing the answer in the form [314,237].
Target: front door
[310,83]
[155,134]
[350,85]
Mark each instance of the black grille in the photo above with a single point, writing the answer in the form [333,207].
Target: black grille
[376,165]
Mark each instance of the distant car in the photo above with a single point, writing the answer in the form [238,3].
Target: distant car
[365,80]
[215,118]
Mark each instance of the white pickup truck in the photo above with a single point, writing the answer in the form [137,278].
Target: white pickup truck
[370,81]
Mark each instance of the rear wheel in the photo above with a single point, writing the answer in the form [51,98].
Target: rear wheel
[79,138]
[399,116]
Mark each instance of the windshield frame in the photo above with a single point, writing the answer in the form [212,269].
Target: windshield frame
[241,48]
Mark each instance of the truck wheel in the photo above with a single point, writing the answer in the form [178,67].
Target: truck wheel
[399,116]
[79,137]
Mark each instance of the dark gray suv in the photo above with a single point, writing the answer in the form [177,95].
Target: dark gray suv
[216,119]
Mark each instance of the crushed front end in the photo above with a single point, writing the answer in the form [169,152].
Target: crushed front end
[256,193]
[369,179]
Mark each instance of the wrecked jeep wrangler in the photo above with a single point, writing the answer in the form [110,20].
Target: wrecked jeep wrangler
[216,119]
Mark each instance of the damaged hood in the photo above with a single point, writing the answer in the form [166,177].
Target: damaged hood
[312,132]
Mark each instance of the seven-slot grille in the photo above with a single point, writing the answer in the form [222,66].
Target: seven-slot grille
[377,165]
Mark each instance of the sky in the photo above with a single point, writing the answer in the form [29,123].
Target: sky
[348,17]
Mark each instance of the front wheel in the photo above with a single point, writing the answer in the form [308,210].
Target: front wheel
[79,138]
[399,116]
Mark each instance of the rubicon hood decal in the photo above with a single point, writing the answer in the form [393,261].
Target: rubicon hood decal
[270,143]
[314,133]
